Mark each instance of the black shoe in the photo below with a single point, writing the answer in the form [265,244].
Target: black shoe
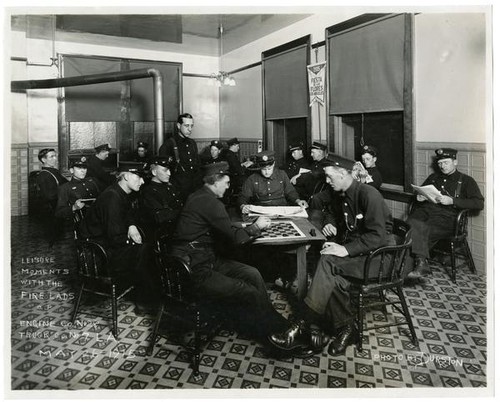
[346,337]
[421,269]
[303,352]
[318,340]
[291,339]
[142,309]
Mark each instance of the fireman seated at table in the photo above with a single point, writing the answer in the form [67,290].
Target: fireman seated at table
[269,186]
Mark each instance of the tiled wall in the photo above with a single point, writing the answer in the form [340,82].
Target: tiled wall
[23,159]
[471,161]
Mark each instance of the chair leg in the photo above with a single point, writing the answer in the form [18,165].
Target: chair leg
[361,314]
[406,312]
[453,262]
[114,311]
[155,330]
[470,259]
[382,298]
[77,304]
[197,341]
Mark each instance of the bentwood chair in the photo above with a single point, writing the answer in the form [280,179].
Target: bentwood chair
[187,313]
[96,279]
[383,278]
[456,247]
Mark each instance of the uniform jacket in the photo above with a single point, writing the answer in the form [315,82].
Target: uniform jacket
[108,219]
[275,190]
[160,203]
[362,219]
[376,177]
[466,195]
[294,166]
[205,221]
[48,181]
[96,170]
[306,183]
[207,159]
[74,190]
[189,160]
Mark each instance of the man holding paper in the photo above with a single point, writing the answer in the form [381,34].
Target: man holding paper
[434,216]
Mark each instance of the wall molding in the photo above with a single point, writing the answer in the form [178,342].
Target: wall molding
[459,146]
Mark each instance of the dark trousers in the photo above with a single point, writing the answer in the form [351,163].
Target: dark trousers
[429,225]
[135,263]
[240,289]
[329,296]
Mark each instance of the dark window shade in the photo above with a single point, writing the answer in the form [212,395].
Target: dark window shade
[366,67]
[285,84]
[96,102]
[142,97]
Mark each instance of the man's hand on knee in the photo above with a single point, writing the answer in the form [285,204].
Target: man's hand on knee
[331,248]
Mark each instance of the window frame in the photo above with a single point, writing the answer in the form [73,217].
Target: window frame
[408,130]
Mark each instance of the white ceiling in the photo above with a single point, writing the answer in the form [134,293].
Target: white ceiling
[189,33]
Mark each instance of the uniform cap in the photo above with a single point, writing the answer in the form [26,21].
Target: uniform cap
[338,161]
[142,144]
[444,153]
[369,149]
[295,146]
[232,141]
[216,143]
[165,161]
[137,168]
[264,158]
[102,147]
[318,145]
[216,168]
[80,162]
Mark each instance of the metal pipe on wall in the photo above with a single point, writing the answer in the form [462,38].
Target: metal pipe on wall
[22,86]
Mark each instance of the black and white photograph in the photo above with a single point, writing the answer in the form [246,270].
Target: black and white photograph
[254,201]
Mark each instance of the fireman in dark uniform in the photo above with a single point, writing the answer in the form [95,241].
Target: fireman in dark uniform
[141,154]
[372,177]
[203,230]
[160,201]
[112,222]
[270,187]
[361,223]
[77,194]
[238,169]
[184,151]
[310,183]
[297,162]
[95,167]
[433,221]
[48,181]
[215,153]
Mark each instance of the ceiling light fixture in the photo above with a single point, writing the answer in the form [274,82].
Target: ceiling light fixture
[222,78]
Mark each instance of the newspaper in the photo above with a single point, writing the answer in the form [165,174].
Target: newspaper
[288,212]
[430,192]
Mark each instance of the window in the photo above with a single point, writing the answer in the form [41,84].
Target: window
[120,113]
[370,86]
[285,89]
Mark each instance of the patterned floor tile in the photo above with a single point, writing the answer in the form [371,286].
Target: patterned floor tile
[48,352]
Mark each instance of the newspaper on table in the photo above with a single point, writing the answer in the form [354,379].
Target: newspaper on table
[430,192]
[287,212]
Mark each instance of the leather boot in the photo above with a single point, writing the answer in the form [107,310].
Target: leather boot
[345,337]
[318,340]
[293,338]
[420,270]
